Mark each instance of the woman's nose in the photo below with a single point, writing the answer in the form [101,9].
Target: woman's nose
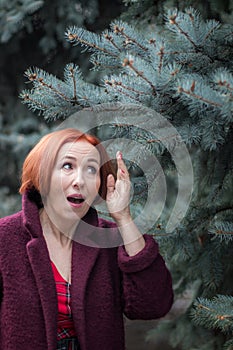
[78,180]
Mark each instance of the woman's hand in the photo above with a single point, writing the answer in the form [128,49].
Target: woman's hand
[117,199]
[118,193]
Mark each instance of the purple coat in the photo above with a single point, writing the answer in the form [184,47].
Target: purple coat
[106,283]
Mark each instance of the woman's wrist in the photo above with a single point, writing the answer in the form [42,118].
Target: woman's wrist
[132,238]
[122,220]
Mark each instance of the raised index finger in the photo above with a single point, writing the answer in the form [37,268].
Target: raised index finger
[122,171]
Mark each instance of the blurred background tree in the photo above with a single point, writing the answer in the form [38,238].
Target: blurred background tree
[164,55]
[33,34]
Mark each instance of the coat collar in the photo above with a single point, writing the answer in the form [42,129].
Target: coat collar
[39,259]
[83,260]
[30,212]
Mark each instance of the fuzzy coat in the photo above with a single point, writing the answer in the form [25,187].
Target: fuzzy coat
[106,283]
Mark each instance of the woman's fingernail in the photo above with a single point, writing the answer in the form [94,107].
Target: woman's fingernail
[119,155]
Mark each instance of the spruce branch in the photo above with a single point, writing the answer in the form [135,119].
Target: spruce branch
[57,98]
[214,313]
[173,22]
[38,77]
[213,26]
[71,69]
[162,139]
[222,230]
[110,38]
[161,58]
[90,40]
[130,63]
[122,91]
[100,65]
[106,63]
[226,85]
[115,83]
[33,104]
[191,26]
[191,92]
[223,79]
[121,28]
[50,110]
[191,134]
[72,75]
[229,36]
[212,274]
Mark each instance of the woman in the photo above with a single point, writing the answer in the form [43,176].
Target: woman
[59,288]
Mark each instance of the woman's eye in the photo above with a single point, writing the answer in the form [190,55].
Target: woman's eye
[91,170]
[67,166]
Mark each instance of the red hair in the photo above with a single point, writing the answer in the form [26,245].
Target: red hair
[42,159]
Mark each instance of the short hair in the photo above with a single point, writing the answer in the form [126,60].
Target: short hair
[42,158]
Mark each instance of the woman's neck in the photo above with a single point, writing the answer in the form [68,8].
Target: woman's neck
[50,230]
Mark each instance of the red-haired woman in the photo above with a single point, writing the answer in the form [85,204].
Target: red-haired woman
[67,276]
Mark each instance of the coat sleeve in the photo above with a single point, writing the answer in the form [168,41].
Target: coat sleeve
[147,284]
[1,288]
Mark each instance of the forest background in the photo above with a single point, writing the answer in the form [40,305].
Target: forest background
[172,56]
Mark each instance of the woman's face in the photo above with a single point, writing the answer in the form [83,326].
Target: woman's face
[75,182]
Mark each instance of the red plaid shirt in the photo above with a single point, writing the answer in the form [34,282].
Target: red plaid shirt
[65,321]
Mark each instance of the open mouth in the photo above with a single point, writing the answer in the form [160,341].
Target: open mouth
[75,200]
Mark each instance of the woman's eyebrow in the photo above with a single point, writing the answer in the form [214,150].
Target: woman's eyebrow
[68,157]
[74,158]
[93,160]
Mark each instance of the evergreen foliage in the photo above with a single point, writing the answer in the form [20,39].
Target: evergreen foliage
[215,314]
[182,69]
[14,16]
[144,12]
[32,32]
[38,14]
